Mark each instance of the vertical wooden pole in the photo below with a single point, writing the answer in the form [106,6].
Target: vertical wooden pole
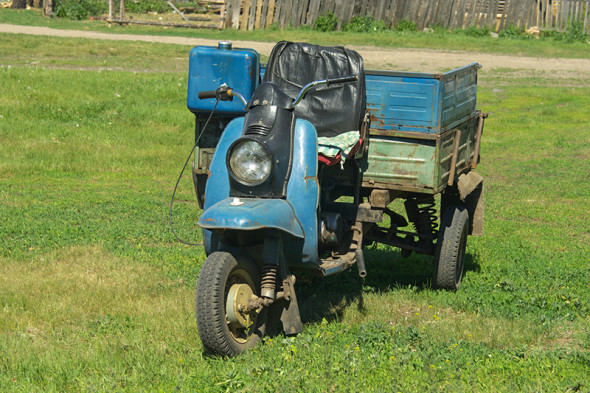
[222,15]
[270,14]
[111,9]
[122,10]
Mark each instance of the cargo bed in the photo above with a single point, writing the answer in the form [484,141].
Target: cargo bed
[423,127]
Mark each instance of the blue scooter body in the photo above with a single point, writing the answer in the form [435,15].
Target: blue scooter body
[294,219]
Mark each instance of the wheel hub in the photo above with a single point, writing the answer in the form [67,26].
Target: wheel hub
[236,307]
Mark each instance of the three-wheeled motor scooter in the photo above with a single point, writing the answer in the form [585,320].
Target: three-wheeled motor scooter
[297,163]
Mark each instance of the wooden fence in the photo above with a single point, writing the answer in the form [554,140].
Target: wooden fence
[452,14]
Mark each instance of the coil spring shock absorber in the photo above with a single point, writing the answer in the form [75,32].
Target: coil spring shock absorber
[422,213]
[269,280]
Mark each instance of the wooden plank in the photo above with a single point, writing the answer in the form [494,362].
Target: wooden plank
[422,14]
[388,13]
[270,11]
[277,12]
[222,18]
[461,11]
[303,13]
[252,14]
[453,14]
[586,19]
[413,10]
[447,11]
[373,8]
[477,13]
[544,14]
[245,14]
[288,14]
[469,13]
[259,4]
[505,10]
[314,9]
[379,9]
[433,15]
[295,12]
[363,4]
[491,14]
[348,10]
[400,11]
[263,12]
[519,15]
[235,17]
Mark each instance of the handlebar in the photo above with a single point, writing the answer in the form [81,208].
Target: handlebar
[226,93]
[223,93]
[207,94]
[342,79]
[327,82]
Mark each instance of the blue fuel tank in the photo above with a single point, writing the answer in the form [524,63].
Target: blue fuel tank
[211,67]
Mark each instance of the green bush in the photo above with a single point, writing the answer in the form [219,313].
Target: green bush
[514,32]
[575,32]
[364,24]
[474,31]
[326,22]
[80,9]
[406,25]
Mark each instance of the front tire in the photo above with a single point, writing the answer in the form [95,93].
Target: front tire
[225,278]
[449,258]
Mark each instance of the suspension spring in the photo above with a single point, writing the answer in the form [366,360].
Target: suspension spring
[269,280]
[426,215]
[422,213]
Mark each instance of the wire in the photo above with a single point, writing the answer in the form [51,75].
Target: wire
[180,177]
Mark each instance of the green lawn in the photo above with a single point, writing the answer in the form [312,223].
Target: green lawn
[96,294]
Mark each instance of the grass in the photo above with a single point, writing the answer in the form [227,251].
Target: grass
[437,39]
[96,294]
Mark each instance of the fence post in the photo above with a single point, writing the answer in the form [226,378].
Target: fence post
[122,10]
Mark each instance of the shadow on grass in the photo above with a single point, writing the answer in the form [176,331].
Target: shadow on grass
[327,297]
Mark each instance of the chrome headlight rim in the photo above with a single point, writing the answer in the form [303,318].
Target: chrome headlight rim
[266,167]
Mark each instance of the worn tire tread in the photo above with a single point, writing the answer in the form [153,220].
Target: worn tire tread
[454,221]
[209,307]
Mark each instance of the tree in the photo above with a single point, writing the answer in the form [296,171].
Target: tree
[19,4]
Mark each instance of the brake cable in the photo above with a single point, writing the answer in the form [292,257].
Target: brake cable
[180,177]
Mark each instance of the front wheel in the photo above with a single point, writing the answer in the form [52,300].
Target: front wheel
[225,285]
[450,249]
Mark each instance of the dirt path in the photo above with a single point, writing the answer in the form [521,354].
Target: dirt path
[420,60]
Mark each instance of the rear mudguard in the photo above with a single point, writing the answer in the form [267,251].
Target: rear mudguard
[295,217]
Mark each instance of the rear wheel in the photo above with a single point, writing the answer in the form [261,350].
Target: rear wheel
[449,258]
[224,287]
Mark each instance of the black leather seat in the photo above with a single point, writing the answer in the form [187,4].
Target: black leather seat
[333,109]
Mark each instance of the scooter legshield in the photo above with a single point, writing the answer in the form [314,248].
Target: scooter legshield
[297,215]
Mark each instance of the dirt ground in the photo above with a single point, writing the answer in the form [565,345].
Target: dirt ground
[575,72]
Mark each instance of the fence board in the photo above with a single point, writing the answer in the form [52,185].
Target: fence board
[422,14]
[259,5]
[452,14]
[235,19]
[314,9]
[345,12]
[586,19]
[252,14]
[490,16]
[506,14]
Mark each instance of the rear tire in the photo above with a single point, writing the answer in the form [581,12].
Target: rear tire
[449,258]
[221,274]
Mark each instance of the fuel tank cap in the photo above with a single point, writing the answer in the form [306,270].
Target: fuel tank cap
[224,45]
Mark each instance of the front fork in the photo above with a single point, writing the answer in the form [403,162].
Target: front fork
[277,288]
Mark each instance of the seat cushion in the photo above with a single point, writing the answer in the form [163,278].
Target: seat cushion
[333,109]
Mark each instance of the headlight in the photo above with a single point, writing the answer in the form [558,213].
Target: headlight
[250,161]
